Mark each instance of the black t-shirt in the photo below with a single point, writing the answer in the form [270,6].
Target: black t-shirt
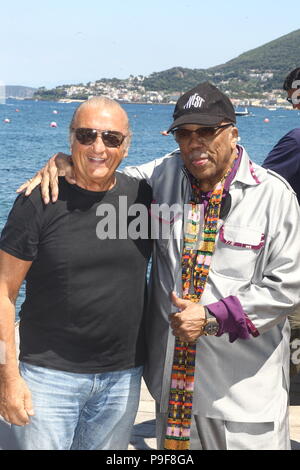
[85,296]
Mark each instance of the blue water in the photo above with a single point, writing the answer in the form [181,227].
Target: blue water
[28,140]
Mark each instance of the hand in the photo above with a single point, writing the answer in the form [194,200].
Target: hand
[187,324]
[15,401]
[58,165]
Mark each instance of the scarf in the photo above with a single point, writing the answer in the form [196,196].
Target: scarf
[196,261]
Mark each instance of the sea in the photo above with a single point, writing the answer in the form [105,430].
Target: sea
[28,139]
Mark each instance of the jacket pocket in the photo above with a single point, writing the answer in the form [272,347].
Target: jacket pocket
[236,251]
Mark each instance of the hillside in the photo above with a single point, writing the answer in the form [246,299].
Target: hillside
[250,75]
[176,79]
[261,69]
[280,56]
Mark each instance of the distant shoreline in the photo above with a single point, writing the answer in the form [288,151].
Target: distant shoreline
[67,101]
[82,101]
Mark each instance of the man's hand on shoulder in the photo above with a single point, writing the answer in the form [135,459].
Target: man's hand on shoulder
[58,165]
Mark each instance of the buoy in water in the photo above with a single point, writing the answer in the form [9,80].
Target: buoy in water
[53,124]
[17,110]
[6,120]
[55,112]
[266,120]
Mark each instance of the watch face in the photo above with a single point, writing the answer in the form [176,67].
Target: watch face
[211,328]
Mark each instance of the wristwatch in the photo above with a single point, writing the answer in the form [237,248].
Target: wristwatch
[211,326]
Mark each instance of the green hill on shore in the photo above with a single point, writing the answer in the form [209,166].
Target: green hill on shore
[261,69]
[249,75]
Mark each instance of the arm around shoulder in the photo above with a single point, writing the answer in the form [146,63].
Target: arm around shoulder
[58,165]
[150,170]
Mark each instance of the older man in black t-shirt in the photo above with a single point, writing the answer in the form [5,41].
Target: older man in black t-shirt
[81,327]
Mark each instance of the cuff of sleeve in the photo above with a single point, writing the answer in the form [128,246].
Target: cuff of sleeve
[232,319]
[220,312]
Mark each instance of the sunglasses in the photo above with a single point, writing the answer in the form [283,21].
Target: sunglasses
[294,100]
[86,136]
[180,133]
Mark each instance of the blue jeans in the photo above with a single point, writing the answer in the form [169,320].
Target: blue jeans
[79,411]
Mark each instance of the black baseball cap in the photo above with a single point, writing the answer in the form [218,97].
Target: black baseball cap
[204,105]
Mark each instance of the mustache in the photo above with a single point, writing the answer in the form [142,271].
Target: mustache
[198,154]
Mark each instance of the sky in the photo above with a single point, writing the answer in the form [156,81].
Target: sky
[50,43]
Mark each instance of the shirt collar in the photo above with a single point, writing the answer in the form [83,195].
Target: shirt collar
[246,172]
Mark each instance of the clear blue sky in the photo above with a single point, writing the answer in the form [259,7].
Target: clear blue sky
[47,43]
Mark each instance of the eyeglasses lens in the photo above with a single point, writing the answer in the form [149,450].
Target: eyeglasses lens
[112,139]
[87,136]
[181,134]
[205,132]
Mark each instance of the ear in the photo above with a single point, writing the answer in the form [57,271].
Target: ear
[126,145]
[234,137]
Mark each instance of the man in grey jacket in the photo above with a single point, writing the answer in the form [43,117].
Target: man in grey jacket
[222,286]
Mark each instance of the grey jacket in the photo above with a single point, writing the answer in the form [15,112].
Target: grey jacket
[246,380]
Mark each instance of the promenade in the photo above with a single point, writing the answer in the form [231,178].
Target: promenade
[143,435]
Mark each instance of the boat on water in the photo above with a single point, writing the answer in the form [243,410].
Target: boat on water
[242,113]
